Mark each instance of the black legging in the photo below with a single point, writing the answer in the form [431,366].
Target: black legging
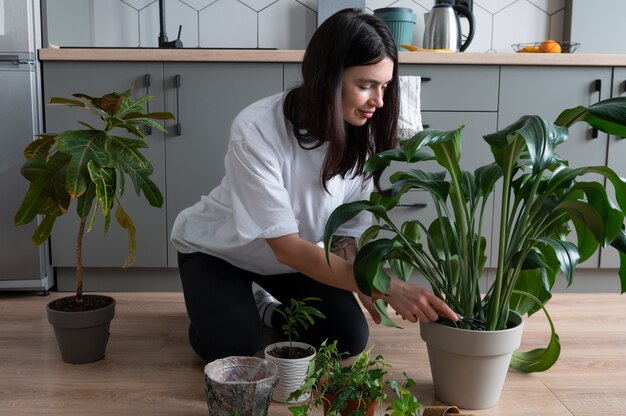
[225,320]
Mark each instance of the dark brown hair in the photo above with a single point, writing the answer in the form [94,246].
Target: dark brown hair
[346,39]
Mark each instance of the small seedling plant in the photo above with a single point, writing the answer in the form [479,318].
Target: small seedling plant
[297,314]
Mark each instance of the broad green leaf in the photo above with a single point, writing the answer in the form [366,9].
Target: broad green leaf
[540,359]
[40,146]
[368,266]
[104,179]
[124,220]
[486,178]
[566,254]
[83,146]
[47,180]
[340,216]
[85,201]
[383,159]
[608,116]
[381,307]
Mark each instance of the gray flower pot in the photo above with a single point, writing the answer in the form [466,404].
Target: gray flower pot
[82,336]
[469,367]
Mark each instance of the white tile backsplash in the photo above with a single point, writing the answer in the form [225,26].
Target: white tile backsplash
[289,24]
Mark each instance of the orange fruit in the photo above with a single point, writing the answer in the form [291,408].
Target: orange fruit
[528,49]
[549,46]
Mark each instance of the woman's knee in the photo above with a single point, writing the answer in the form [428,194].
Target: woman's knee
[221,347]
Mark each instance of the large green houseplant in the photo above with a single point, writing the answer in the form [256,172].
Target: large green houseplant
[540,197]
[89,165]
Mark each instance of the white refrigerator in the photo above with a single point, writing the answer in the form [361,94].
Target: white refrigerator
[22,265]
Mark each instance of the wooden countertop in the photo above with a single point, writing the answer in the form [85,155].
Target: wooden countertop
[256,55]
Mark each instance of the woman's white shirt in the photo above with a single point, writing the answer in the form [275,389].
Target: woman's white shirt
[271,188]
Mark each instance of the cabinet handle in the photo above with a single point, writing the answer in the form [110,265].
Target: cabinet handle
[416,205]
[425,126]
[597,86]
[425,79]
[624,86]
[178,125]
[146,86]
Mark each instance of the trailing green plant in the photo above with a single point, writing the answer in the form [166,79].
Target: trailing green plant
[542,196]
[363,381]
[298,313]
[89,165]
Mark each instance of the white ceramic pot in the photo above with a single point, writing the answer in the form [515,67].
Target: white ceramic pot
[469,367]
[291,372]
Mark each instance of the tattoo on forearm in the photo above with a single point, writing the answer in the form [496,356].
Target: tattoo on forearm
[344,247]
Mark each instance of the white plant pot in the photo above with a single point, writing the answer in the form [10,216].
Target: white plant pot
[469,367]
[291,372]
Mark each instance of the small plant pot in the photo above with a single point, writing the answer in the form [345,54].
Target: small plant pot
[82,336]
[239,386]
[469,367]
[370,408]
[291,371]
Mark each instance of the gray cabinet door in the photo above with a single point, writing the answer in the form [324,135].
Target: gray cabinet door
[110,250]
[206,98]
[456,87]
[292,76]
[546,91]
[615,160]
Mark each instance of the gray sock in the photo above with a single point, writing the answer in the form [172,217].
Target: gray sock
[265,304]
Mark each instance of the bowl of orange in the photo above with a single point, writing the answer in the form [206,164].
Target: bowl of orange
[547,46]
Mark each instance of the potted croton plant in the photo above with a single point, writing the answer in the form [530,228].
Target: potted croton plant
[292,358]
[88,165]
[541,197]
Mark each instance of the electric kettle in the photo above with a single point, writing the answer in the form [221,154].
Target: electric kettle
[442,28]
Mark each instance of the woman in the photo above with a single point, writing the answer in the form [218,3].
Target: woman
[292,159]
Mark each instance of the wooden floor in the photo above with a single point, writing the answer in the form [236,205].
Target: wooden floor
[149,368]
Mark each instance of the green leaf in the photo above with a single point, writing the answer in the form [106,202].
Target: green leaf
[540,359]
[47,181]
[40,146]
[608,116]
[82,146]
[566,254]
[104,179]
[368,266]
[124,220]
[340,216]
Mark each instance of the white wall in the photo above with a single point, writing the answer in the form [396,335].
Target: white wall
[282,24]
[70,22]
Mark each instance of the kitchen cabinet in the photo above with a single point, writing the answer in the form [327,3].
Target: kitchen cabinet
[205,97]
[616,155]
[188,161]
[110,249]
[546,91]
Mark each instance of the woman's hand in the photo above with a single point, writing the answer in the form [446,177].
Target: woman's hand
[414,303]
[368,304]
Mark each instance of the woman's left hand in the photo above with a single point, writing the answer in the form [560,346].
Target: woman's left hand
[368,304]
[414,303]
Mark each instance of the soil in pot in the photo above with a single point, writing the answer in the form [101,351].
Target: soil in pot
[294,352]
[87,303]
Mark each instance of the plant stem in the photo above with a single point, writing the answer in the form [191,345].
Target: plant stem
[507,173]
[79,261]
